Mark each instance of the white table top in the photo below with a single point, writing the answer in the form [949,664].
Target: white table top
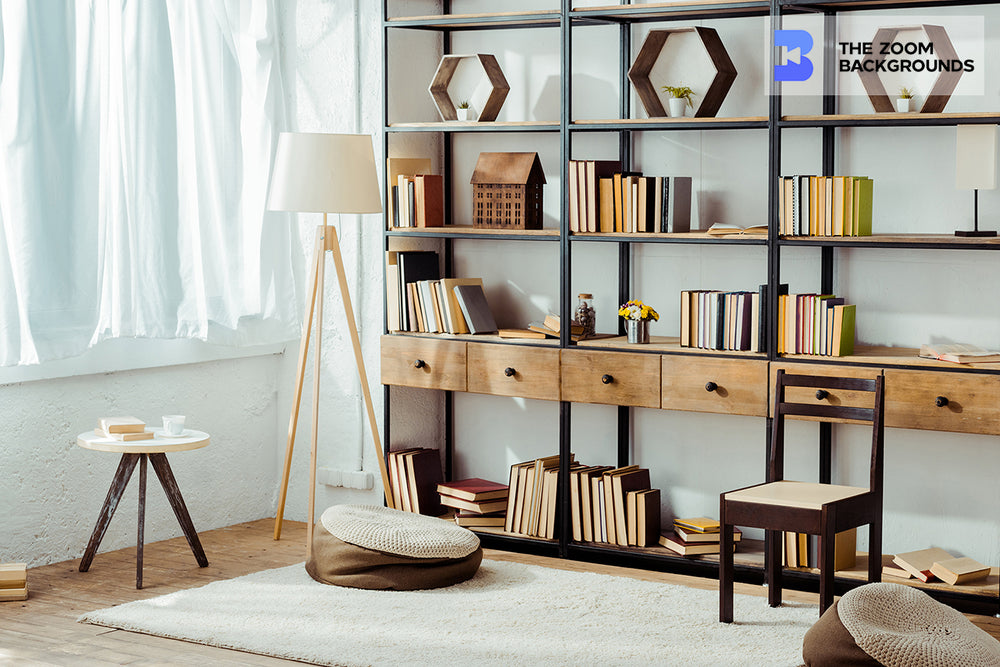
[159,443]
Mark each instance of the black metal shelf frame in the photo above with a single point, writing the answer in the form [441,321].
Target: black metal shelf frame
[566,19]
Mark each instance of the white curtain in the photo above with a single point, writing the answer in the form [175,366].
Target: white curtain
[136,139]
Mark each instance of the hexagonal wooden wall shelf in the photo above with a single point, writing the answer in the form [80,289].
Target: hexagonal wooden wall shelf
[716,68]
[943,86]
[488,102]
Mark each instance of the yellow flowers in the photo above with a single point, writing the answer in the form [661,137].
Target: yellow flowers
[637,310]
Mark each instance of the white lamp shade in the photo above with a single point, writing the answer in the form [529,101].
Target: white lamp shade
[324,173]
[976,157]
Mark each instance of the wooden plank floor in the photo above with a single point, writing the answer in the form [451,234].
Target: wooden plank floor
[43,630]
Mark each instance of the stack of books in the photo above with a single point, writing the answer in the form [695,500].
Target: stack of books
[414,475]
[551,327]
[603,198]
[696,536]
[13,582]
[480,503]
[825,206]
[124,429]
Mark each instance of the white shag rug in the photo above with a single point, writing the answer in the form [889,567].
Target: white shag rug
[508,614]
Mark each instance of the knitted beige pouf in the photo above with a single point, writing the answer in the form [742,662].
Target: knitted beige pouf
[896,626]
[366,546]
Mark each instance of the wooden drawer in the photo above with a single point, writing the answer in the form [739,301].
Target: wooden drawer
[857,399]
[423,362]
[612,378]
[509,370]
[705,384]
[971,402]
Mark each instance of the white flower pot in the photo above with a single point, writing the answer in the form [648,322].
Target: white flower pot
[678,105]
[903,105]
[463,114]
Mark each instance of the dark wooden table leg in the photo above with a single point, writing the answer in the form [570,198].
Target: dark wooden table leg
[118,484]
[142,520]
[162,470]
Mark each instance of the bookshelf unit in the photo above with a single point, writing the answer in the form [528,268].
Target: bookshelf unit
[912,384]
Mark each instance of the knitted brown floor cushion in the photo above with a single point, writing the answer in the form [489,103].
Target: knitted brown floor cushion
[365,546]
[896,626]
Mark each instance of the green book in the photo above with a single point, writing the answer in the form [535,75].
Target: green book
[843,330]
[863,199]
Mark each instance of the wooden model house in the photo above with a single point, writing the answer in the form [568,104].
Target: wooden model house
[507,191]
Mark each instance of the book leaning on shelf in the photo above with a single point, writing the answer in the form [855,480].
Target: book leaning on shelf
[603,198]
[825,205]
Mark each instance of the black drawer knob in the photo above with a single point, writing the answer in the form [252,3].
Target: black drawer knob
[509,372]
[607,379]
[821,394]
[941,401]
[419,363]
[711,386]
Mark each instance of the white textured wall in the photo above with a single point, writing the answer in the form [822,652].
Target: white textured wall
[51,490]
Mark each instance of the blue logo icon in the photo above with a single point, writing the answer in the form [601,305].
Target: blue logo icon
[793,41]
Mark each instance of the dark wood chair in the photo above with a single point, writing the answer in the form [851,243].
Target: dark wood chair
[803,507]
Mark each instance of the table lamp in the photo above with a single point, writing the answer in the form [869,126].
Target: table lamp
[324,173]
[976,166]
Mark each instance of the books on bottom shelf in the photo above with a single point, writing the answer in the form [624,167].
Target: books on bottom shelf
[474,496]
[414,475]
[614,505]
[696,536]
[928,564]
[531,498]
[801,550]
[477,520]
[13,582]
[819,324]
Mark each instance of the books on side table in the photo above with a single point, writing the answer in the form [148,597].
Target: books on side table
[13,582]
[123,429]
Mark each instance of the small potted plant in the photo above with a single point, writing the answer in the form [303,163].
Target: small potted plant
[637,317]
[463,110]
[680,99]
[903,102]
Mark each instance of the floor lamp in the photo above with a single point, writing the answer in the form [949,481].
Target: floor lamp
[324,173]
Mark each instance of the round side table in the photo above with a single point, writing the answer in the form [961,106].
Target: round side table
[133,453]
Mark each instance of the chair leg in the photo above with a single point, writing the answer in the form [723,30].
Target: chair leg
[827,543]
[875,551]
[725,567]
[773,546]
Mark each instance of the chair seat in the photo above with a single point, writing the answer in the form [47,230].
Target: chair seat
[795,494]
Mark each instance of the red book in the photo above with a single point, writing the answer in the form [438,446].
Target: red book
[429,196]
[474,489]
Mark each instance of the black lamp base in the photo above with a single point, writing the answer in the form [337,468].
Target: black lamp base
[976,233]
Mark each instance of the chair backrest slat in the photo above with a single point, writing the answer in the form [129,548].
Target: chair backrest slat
[827,411]
[827,382]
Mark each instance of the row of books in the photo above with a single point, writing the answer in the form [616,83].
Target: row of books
[419,300]
[614,505]
[13,582]
[936,563]
[801,550]
[414,475]
[825,205]
[815,324]
[716,320]
[696,536]
[603,198]
[531,499]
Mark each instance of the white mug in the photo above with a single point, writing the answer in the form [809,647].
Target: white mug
[173,424]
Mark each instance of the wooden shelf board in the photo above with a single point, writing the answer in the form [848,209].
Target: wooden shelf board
[748,552]
[988,587]
[460,125]
[667,120]
[873,4]
[482,338]
[548,18]
[660,344]
[678,8]
[890,356]
[688,237]
[475,231]
[889,118]
[914,239]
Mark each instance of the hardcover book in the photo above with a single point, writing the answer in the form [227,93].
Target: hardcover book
[474,489]
[475,309]
[918,563]
[954,571]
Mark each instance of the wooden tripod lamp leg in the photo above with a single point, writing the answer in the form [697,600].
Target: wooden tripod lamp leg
[318,366]
[333,244]
[318,252]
